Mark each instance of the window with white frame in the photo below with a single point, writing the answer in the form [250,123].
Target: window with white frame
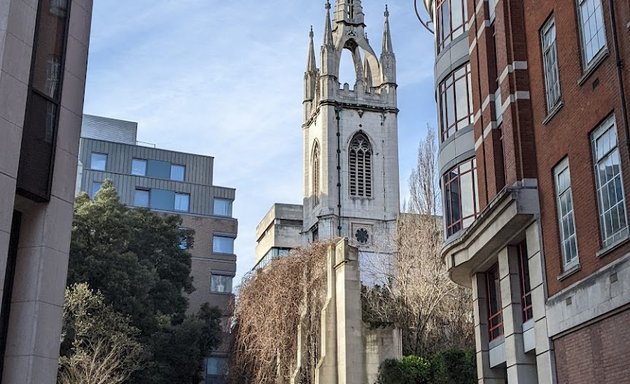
[220,283]
[592,30]
[139,167]
[452,16]
[141,198]
[177,172]
[98,161]
[566,218]
[455,102]
[495,309]
[222,244]
[222,207]
[182,202]
[550,63]
[610,194]
[461,196]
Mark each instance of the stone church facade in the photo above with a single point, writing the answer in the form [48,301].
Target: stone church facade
[350,140]
[350,154]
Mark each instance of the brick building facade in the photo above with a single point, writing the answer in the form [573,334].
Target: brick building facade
[534,160]
[176,183]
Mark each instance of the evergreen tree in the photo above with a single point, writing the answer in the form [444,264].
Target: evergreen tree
[133,258]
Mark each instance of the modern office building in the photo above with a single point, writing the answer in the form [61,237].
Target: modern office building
[350,137]
[532,101]
[172,183]
[43,56]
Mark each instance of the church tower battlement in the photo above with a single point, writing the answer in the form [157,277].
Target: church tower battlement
[351,183]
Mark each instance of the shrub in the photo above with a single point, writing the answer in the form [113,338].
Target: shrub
[453,366]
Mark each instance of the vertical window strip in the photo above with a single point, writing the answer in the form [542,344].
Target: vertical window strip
[461,196]
[592,30]
[526,288]
[452,16]
[36,164]
[566,218]
[456,110]
[550,64]
[610,193]
[495,310]
[315,175]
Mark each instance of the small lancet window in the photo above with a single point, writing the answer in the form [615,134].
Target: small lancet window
[350,10]
[315,168]
[360,166]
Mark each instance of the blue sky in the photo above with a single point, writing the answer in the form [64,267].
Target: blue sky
[225,79]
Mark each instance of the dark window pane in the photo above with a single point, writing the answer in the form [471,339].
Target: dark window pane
[36,156]
[50,46]
[40,123]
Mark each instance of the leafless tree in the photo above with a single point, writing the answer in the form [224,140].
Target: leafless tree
[432,311]
[102,344]
[274,305]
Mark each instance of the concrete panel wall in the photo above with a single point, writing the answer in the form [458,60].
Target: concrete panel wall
[32,349]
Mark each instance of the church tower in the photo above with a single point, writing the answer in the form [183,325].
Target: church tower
[351,136]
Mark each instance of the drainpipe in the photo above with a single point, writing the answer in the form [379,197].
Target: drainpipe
[337,109]
[619,61]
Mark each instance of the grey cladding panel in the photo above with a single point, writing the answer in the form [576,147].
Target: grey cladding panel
[224,193]
[103,128]
[455,55]
[198,167]
[198,174]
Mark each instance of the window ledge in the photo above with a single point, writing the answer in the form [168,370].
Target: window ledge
[553,112]
[608,249]
[496,341]
[594,64]
[572,270]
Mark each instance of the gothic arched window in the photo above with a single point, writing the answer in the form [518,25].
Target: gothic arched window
[315,171]
[360,166]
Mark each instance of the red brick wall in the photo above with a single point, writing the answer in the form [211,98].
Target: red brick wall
[567,133]
[506,155]
[596,354]
[489,155]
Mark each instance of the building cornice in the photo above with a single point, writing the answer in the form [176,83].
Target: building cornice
[504,219]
